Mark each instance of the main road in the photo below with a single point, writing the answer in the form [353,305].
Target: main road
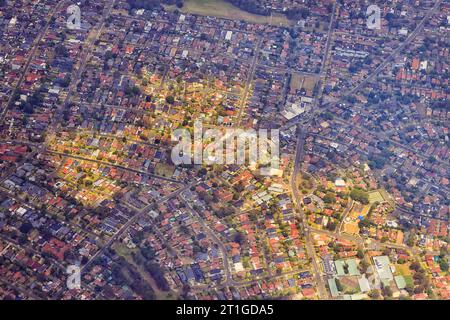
[323,293]
[299,153]
[226,265]
[85,55]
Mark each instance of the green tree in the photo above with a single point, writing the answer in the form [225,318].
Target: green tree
[360,254]
[170,99]
[360,195]
[329,198]
[339,285]
[444,265]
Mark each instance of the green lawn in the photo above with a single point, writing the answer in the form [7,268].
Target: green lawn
[124,251]
[375,196]
[403,269]
[164,170]
[409,280]
[223,9]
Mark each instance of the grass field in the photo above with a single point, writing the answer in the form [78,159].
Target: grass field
[124,251]
[222,9]
[409,280]
[387,197]
[164,170]
[299,81]
[375,196]
[403,269]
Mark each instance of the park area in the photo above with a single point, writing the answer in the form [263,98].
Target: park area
[223,9]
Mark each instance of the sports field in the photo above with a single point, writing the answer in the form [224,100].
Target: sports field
[375,196]
[223,9]
[299,81]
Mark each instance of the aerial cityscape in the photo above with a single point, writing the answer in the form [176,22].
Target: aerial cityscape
[224,150]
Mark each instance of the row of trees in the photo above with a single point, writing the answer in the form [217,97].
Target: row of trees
[252,6]
[124,273]
[258,7]
[146,258]
[153,4]
[360,196]
[144,4]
